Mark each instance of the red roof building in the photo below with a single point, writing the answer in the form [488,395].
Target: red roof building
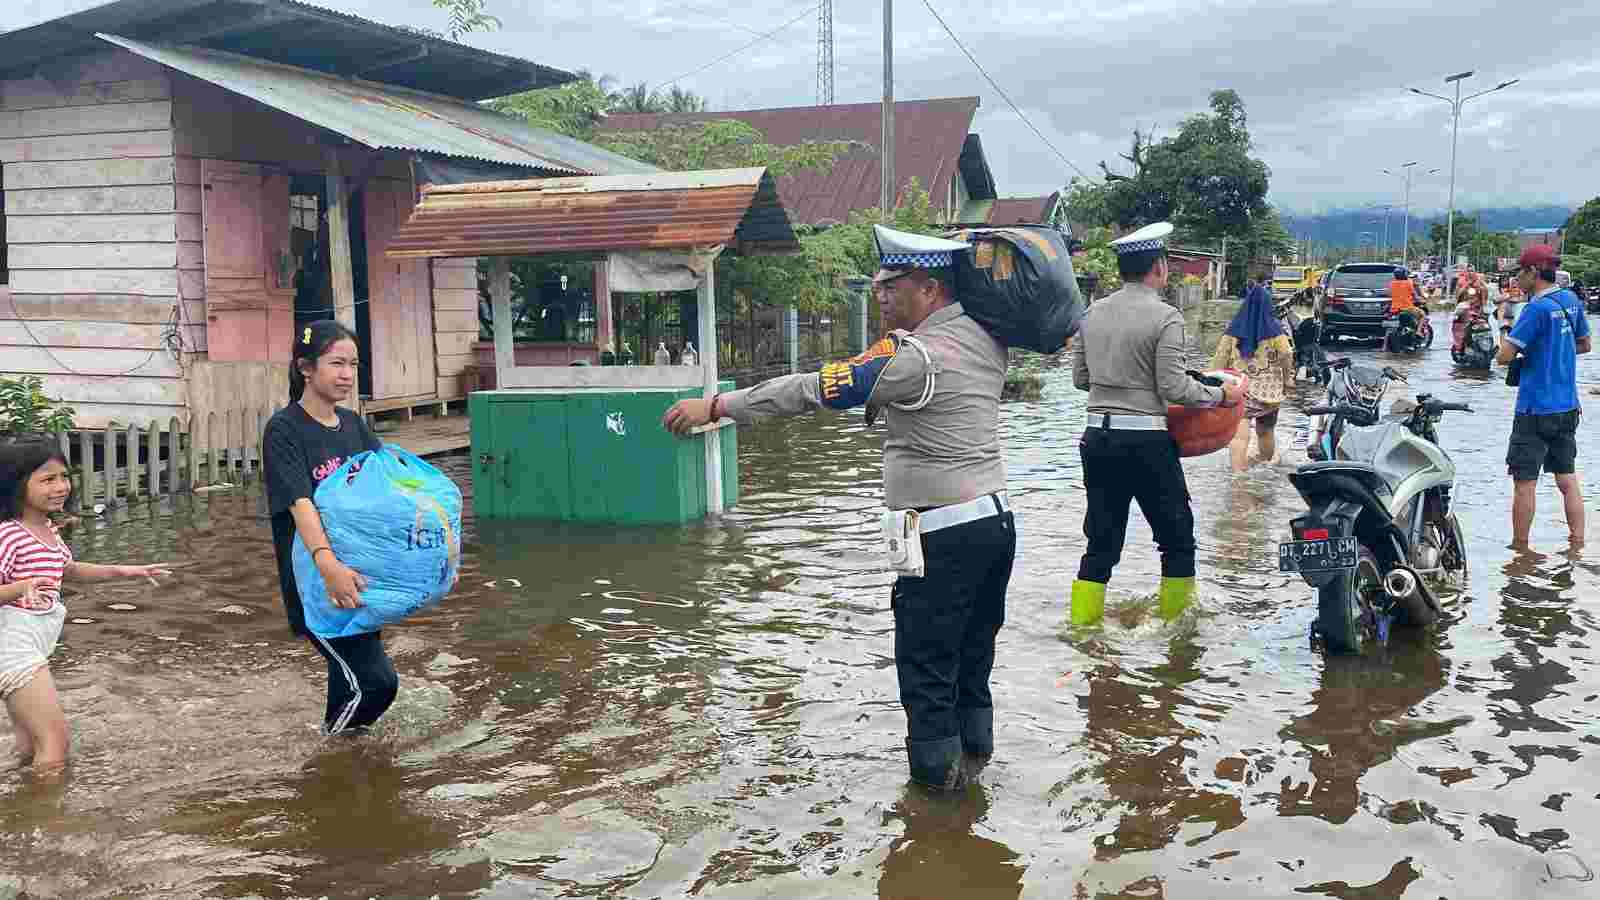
[933,144]
[1024,210]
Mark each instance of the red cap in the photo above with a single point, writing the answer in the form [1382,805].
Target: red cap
[1540,256]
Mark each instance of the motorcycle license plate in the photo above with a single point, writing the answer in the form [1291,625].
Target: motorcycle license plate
[1391,325]
[1327,555]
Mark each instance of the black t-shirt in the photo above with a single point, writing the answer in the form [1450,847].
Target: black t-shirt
[298,452]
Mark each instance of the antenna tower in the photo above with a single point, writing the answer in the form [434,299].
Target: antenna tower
[825,53]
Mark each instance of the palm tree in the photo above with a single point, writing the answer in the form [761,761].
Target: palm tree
[637,98]
[679,100]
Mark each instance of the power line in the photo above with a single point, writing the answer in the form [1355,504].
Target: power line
[1001,91]
[722,59]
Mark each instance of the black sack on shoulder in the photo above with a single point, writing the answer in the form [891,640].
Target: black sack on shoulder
[1017,282]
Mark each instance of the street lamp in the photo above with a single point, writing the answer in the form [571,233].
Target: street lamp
[1405,252]
[1455,131]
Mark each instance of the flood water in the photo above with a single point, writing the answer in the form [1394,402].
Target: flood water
[711,711]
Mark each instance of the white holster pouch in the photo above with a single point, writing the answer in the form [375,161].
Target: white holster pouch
[902,541]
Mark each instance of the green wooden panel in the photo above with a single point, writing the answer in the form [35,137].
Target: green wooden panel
[594,456]
[486,495]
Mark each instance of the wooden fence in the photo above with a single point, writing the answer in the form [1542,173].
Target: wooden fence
[117,465]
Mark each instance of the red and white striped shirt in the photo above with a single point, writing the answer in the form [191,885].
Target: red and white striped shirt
[23,555]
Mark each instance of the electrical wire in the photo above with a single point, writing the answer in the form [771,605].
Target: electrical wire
[722,59]
[1001,91]
[168,335]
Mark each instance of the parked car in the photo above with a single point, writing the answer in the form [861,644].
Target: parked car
[1356,302]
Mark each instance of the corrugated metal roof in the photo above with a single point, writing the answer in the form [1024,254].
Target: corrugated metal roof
[386,117]
[289,32]
[1021,210]
[930,139]
[738,208]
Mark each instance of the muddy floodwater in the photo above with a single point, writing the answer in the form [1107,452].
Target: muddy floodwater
[711,711]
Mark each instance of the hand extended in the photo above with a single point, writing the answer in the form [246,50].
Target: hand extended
[1232,392]
[344,583]
[150,572]
[686,415]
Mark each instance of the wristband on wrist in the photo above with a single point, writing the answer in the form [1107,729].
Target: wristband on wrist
[319,550]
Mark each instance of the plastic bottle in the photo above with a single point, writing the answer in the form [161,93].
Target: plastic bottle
[690,358]
[627,354]
[663,358]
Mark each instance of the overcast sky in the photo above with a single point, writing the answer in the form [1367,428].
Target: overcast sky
[1324,83]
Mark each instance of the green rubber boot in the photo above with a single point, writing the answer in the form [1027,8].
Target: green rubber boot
[1175,596]
[1088,602]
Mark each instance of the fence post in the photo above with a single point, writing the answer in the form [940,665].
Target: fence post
[172,456]
[192,447]
[211,447]
[152,463]
[86,474]
[133,462]
[111,464]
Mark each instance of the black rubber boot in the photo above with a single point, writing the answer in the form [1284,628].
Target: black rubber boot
[936,764]
[977,731]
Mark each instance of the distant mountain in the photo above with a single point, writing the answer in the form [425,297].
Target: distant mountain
[1341,227]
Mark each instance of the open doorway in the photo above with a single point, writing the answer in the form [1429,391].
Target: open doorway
[313,279]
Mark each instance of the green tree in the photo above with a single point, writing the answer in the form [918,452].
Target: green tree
[637,98]
[1583,227]
[1583,262]
[1203,178]
[466,16]
[1439,233]
[24,408]
[718,144]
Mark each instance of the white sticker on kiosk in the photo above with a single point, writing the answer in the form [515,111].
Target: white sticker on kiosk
[902,542]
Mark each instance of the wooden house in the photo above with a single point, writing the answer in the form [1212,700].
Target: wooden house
[184,181]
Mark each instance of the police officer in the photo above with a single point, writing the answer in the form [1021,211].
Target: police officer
[1131,361]
[936,381]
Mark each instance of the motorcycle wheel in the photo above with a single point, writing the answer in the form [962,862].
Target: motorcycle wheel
[1345,613]
[1454,559]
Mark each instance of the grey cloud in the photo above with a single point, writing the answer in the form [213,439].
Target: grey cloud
[1324,82]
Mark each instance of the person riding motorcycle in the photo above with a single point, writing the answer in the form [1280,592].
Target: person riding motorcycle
[1472,302]
[1403,301]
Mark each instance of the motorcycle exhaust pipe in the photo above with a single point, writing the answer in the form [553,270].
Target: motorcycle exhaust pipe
[1399,584]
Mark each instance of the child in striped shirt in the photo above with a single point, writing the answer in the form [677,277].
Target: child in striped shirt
[33,561]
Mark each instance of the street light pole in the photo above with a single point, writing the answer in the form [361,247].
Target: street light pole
[888,194]
[1455,132]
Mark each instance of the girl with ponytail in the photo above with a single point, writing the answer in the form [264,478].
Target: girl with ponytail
[304,443]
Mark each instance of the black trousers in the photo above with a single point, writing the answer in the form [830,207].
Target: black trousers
[944,629]
[1123,466]
[361,680]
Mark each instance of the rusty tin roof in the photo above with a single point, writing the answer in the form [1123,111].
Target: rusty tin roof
[737,208]
[387,117]
[931,140]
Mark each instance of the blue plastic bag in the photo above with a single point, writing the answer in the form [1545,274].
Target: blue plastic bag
[395,520]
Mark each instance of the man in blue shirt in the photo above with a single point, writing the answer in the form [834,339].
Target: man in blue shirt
[1550,333]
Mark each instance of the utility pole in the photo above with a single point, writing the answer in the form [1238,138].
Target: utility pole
[888,193]
[1455,133]
[825,53]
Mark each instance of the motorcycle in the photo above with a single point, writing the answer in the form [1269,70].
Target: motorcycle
[1478,350]
[1593,300]
[1407,334]
[1309,358]
[1378,522]
[1350,386]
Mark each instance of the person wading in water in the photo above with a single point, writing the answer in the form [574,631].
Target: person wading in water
[1130,360]
[305,442]
[936,381]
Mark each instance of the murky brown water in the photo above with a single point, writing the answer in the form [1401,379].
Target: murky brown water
[711,711]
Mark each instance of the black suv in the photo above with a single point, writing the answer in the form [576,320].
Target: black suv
[1356,302]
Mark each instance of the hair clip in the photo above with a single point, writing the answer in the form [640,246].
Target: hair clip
[306,338]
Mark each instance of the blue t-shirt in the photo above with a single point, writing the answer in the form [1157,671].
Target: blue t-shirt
[1547,332]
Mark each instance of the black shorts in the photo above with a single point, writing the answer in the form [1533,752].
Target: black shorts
[1548,442]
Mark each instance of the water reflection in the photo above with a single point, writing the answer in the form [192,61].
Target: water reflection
[939,855]
[710,711]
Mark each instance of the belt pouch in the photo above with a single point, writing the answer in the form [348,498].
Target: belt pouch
[902,542]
